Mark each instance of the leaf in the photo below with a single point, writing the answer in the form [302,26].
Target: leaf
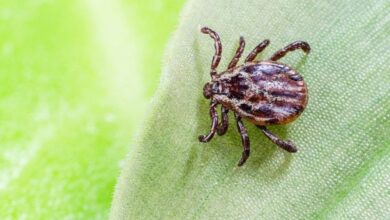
[341,170]
[70,100]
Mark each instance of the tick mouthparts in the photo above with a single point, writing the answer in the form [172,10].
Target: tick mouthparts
[207,93]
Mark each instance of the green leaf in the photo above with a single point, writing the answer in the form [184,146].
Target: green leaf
[71,92]
[341,170]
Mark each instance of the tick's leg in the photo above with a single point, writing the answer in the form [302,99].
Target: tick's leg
[244,139]
[223,126]
[286,145]
[218,50]
[214,123]
[252,55]
[238,54]
[291,47]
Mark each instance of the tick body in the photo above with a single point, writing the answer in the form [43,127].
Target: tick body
[263,92]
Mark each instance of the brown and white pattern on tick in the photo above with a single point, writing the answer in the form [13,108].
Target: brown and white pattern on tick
[263,92]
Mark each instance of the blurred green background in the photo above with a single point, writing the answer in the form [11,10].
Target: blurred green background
[75,80]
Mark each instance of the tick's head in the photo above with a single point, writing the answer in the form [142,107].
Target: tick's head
[212,88]
[207,90]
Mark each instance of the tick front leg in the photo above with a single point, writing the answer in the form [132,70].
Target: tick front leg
[214,123]
[252,55]
[291,47]
[218,50]
[244,139]
[286,145]
[238,54]
[223,126]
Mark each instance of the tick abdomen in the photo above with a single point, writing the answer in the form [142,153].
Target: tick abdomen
[264,92]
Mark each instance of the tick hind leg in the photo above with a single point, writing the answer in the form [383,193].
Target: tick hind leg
[291,47]
[238,54]
[214,123]
[286,145]
[244,139]
[218,50]
[252,55]
[223,126]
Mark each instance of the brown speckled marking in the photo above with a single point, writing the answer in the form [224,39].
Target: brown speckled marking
[263,92]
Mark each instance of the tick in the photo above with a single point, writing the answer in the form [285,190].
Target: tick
[264,92]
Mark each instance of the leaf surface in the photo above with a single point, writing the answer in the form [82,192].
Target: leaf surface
[341,170]
[70,99]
